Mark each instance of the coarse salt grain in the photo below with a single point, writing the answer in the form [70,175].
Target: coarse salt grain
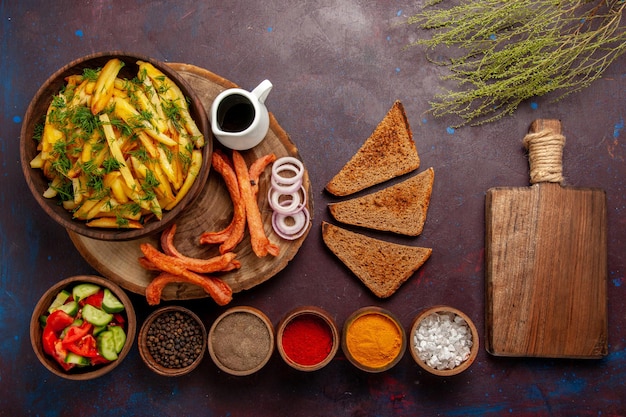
[443,340]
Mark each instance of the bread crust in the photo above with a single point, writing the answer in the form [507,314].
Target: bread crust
[382,266]
[400,208]
[387,153]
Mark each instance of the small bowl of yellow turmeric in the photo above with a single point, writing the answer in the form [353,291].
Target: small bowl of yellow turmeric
[373,339]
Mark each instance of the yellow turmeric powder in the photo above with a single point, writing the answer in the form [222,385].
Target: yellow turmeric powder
[374,340]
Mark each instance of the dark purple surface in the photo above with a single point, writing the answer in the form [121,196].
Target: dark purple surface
[337,67]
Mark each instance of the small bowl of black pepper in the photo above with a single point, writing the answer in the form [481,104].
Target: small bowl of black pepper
[172,341]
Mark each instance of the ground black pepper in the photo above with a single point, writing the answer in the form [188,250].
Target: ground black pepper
[175,340]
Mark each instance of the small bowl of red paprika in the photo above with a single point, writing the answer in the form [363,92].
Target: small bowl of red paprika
[307,338]
[82,327]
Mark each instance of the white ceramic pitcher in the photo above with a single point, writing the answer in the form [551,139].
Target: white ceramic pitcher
[239,118]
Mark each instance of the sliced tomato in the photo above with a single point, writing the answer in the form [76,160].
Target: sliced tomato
[85,346]
[75,333]
[119,319]
[48,339]
[95,299]
[58,320]
[60,353]
[98,360]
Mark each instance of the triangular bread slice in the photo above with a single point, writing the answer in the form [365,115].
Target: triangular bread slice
[382,266]
[388,153]
[400,208]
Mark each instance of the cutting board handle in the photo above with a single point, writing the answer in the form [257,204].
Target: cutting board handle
[545,143]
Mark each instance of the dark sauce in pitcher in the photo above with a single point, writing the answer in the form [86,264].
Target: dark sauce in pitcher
[235,113]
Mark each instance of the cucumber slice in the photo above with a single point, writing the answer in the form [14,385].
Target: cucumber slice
[98,329]
[70,308]
[106,345]
[59,300]
[84,290]
[119,337]
[96,316]
[110,303]
[76,359]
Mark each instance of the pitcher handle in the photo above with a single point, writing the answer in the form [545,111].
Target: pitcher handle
[262,90]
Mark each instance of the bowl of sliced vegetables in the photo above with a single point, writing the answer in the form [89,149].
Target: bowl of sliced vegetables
[114,146]
[82,327]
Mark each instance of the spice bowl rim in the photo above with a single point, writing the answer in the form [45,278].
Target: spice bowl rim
[270,329]
[373,310]
[42,305]
[308,311]
[473,350]
[149,360]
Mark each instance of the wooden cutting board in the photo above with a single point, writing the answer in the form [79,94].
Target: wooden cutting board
[546,260]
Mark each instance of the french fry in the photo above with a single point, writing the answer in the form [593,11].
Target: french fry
[116,152]
[171,92]
[114,223]
[103,90]
[84,208]
[166,166]
[74,80]
[154,98]
[125,111]
[53,187]
[148,144]
[80,96]
[192,174]
[261,245]
[37,161]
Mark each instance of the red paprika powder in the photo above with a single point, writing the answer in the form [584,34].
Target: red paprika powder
[307,340]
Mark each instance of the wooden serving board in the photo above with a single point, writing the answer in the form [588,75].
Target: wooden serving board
[212,211]
[546,268]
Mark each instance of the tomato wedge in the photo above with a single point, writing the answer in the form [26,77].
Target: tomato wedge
[85,346]
[75,333]
[58,320]
[95,299]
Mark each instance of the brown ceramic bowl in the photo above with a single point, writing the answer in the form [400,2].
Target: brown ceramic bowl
[362,341]
[452,313]
[145,344]
[307,326]
[41,308]
[241,340]
[35,116]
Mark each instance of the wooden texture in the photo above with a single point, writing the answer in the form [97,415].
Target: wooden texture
[546,270]
[211,211]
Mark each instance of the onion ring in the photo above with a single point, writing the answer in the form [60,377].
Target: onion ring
[288,163]
[285,188]
[301,224]
[290,206]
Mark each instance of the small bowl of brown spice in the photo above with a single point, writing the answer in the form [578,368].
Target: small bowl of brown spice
[172,341]
[241,340]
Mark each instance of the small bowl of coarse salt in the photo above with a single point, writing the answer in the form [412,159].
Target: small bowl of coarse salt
[443,341]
